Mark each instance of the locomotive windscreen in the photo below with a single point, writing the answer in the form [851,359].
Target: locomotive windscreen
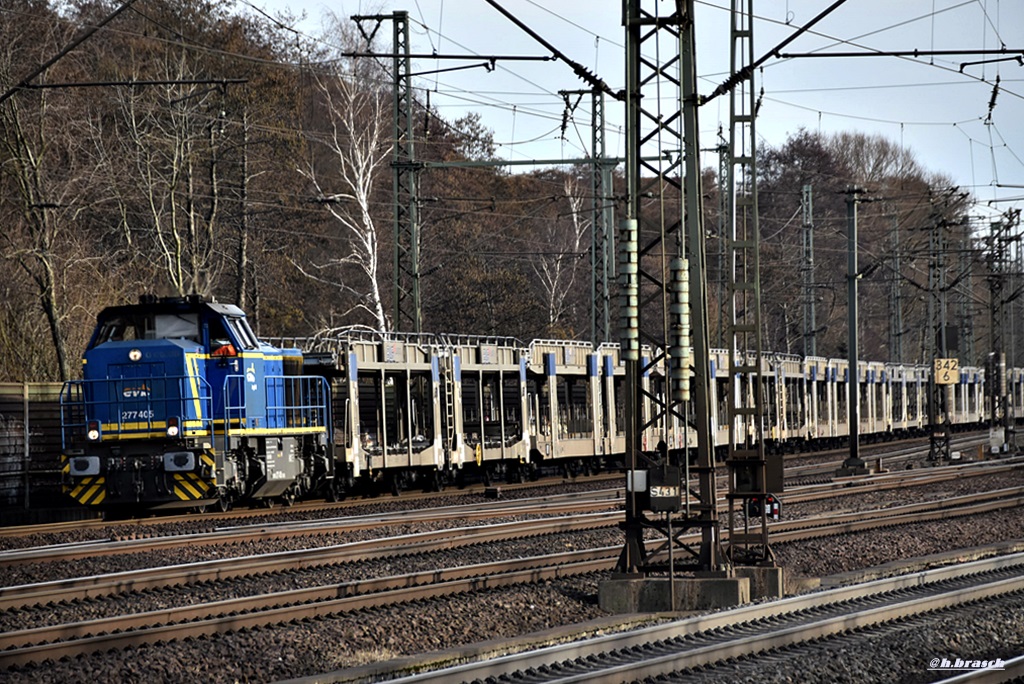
[148,327]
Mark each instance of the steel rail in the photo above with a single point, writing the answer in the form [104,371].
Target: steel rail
[227,568]
[340,506]
[1013,670]
[48,528]
[583,501]
[282,607]
[894,480]
[764,618]
[279,614]
[348,596]
[274,531]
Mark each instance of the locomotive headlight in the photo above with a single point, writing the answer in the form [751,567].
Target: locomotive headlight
[172,427]
[135,354]
[92,431]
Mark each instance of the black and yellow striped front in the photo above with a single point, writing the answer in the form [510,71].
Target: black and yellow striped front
[90,491]
[138,481]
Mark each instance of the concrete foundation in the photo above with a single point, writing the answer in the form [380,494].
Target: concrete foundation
[654,595]
[765,582]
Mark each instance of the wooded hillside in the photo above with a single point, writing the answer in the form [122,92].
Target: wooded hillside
[187,148]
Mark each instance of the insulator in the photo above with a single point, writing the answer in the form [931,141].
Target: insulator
[1002,374]
[629,286]
[679,309]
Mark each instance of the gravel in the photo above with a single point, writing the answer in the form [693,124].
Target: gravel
[327,644]
[902,652]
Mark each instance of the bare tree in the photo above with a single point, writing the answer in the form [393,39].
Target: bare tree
[357,147]
[47,177]
[171,138]
[559,268]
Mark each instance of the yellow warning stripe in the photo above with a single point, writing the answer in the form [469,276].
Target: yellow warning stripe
[90,491]
[114,434]
[193,366]
[277,431]
[135,426]
[189,486]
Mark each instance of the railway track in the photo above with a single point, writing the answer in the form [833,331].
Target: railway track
[890,454]
[119,631]
[899,457]
[575,504]
[295,510]
[578,503]
[677,647]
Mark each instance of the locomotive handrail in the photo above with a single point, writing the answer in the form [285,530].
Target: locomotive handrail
[309,408]
[132,406]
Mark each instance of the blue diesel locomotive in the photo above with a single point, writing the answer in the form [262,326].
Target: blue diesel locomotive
[182,406]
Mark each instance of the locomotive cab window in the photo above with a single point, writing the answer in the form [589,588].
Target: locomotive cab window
[114,330]
[243,333]
[175,326]
[220,341]
[147,327]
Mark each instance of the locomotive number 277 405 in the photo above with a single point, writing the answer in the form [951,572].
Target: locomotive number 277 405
[136,415]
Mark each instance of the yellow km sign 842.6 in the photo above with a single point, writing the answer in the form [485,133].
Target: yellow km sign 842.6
[947,371]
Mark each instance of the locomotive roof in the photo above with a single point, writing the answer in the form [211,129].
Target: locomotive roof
[170,305]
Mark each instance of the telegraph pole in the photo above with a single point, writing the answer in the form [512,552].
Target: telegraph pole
[810,326]
[854,464]
[602,224]
[944,371]
[408,312]
[724,224]
[602,218]
[896,296]
[1001,438]
[751,478]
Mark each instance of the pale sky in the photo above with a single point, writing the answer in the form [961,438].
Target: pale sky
[930,104]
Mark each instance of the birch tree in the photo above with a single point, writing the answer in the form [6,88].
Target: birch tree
[559,268]
[355,150]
